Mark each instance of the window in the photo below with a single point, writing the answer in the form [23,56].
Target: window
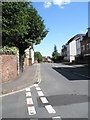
[87,46]
[81,37]
[83,47]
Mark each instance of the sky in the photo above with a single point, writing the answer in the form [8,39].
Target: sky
[64,20]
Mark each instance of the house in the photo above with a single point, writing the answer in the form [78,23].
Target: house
[44,59]
[85,44]
[30,55]
[72,48]
[49,59]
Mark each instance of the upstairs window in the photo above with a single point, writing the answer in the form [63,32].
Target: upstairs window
[81,38]
[83,47]
[88,45]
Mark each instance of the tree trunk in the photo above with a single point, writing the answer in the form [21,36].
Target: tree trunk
[21,60]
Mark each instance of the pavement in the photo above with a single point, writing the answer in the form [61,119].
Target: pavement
[27,78]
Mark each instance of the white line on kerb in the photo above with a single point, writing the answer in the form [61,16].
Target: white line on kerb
[31,110]
[38,88]
[27,89]
[28,94]
[29,101]
[40,93]
[44,100]
[50,109]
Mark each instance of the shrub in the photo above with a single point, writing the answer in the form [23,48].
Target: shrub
[8,50]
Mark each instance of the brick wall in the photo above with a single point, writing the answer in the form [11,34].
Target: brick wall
[8,67]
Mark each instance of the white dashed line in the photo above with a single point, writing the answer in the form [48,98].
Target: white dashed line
[28,89]
[40,93]
[28,94]
[50,109]
[56,66]
[31,110]
[38,88]
[44,100]
[29,101]
[36,85]
[57,117]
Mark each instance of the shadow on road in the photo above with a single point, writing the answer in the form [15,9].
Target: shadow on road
[61,100]
[73,73]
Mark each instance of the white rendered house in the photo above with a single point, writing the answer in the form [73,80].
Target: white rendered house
[72,45]
[30,55]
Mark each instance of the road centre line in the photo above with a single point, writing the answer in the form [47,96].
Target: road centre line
[57,117]
[31,110]
[36,85]
[38,88]
[29,101]
[40,93]
[44,100]
[28,94]
[50,109]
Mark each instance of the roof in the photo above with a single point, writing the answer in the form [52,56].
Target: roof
[75,37]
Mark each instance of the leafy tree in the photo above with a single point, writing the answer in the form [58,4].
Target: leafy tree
[14,24]
[38,56]
[21,25]
[36,27]
[55,54]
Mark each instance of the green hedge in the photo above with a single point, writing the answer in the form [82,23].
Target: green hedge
[8,50]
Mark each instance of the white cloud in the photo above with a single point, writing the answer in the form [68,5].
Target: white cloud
[47,4]
[61,2]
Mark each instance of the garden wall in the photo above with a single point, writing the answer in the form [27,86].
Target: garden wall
[8,67]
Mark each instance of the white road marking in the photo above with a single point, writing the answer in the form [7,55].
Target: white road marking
[29,101]
[50,109]
[57,117]
[31,110]
[36,85]
[56,66]
[40,93]
[38,88]
[28,94]
[28,89]
[44,100]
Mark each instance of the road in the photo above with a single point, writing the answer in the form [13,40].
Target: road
[61,94]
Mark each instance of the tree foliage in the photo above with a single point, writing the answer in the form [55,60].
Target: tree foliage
[38,56]
[8,50]
[55,54]
[21,25]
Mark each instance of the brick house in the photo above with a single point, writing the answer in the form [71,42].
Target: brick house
[85,44]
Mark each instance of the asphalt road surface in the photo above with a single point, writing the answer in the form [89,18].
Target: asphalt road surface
[62,93]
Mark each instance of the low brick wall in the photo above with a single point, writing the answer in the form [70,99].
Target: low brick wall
[8,67]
